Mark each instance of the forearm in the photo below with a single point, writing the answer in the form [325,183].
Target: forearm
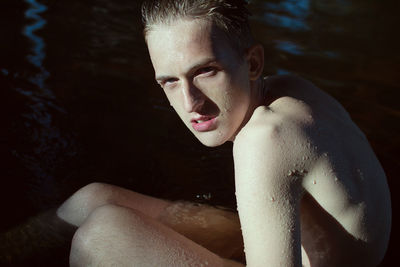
[42,238]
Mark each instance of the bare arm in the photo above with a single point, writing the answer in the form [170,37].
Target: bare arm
[267,197]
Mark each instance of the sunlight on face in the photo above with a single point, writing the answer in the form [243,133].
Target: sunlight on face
[203,78]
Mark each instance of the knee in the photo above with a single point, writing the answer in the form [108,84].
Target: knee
[101,236]
[77,208]
[87,239]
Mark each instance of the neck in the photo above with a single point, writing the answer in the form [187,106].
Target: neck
[259,93]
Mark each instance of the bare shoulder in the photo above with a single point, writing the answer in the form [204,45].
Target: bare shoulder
[271,145]
[276,128]
[304,137]
[266,191]
[263,121]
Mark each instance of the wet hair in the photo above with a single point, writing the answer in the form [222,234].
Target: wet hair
[229,16]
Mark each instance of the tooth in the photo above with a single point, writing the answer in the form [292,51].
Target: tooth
[200,121]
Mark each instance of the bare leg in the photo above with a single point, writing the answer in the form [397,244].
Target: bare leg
[215,229]
[118,236]
[78,207]
[50,233]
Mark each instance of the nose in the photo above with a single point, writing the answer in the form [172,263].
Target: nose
[193,98]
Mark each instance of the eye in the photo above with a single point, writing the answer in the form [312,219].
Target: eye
[206,71]
[171,80]
[168,82]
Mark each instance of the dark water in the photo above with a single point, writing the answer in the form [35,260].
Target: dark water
[78,102]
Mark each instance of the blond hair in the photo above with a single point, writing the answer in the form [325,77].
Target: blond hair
[230,16]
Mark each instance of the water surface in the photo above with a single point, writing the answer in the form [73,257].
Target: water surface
[79,104]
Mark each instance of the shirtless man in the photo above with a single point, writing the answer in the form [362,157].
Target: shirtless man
[309,188]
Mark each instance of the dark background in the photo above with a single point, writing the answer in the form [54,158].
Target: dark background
[78,102]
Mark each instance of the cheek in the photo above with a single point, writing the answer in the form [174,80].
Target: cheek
[172,98]
[227,101]
[177,105]
[228,92]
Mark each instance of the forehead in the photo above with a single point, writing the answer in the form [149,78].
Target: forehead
[179,34]
[185,41]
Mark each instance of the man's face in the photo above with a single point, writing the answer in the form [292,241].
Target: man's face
[203,78]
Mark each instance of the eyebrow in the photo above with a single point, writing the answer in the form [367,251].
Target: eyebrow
[190,69]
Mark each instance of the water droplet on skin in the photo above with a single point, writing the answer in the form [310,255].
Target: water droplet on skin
[336,179]
[290,173]
[314,182]
[272,199]
[325,154]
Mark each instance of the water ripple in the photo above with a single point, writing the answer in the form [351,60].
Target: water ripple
[38,49]
[48,141]
[288,14]
[289,47]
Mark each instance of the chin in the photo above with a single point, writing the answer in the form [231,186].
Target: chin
[211,141]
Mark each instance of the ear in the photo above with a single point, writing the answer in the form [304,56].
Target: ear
[255,61]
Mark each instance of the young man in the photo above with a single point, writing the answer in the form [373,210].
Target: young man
[309,189]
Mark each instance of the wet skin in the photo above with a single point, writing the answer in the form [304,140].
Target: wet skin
[202,78]
[307,181]
[312,178]
[309,188]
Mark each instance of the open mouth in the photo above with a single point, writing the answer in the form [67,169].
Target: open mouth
[201,121]
[204,123]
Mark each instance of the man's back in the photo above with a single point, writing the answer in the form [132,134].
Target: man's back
[310,145]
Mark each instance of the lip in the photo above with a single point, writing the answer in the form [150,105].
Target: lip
[208,124]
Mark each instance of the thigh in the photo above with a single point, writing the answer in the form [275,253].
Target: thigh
[79,206]
[114,235]
[216,229]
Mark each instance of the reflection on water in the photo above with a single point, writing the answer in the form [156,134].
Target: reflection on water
[38,22]
[38,45]
[295,18]
[288,47]
[289,14]
[38,95]
[43,141]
